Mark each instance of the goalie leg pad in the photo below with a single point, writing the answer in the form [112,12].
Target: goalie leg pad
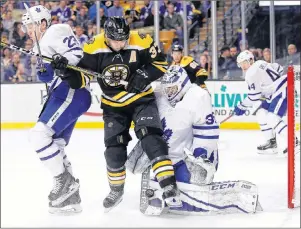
[218,198]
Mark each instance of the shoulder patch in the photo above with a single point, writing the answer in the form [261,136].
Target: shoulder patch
[91,41]
[140,40]
[95,44]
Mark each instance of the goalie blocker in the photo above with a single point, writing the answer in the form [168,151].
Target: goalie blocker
[215,198]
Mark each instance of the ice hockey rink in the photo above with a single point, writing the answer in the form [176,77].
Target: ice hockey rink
[25,184]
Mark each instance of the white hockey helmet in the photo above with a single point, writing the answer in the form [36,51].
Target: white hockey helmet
[175,83]
[38,13]
[244,56]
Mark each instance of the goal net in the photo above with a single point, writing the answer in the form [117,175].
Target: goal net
[293,119]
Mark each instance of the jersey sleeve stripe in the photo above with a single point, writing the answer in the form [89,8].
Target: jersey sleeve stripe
[254,93]
[206,137]
[253,99]
[205,127]
[74,49]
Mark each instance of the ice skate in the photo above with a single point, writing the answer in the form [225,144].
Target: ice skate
[171,196]
[114,197]
[64,187]
[270,147]
[69,206]
[297,147]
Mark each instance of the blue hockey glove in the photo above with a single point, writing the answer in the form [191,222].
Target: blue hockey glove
[240,109]
[46,75]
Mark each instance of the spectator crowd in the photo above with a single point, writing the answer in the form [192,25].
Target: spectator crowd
[81,16]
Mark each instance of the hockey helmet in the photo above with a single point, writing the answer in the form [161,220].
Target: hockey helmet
[244,56]
[38,13]
[117,29]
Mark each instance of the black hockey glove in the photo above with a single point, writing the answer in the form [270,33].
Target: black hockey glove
[59,62]
[138,82]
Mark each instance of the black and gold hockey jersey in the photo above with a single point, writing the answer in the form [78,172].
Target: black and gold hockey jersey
[195,72]
[140,53]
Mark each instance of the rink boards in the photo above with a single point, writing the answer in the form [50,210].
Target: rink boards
[21,105]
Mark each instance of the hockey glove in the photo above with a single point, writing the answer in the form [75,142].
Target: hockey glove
[59,62]
[240,109]
[138,82]
[46,75]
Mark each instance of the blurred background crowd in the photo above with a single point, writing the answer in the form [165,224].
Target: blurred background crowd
[81,16]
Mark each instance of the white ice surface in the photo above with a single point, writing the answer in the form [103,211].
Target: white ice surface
[25,184]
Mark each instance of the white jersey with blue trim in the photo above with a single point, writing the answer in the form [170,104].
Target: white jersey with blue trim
[59,38]
[265,80]
[190,124]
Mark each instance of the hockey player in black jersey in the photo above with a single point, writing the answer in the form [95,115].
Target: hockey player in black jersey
[123,55]
[195,72]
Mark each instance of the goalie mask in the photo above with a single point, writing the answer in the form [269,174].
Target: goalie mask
[175,83]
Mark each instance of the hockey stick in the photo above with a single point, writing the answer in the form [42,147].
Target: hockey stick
[37,41]
[230,116]
[82,70]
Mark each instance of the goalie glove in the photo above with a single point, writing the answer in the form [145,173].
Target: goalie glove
[138,82]
[201,169]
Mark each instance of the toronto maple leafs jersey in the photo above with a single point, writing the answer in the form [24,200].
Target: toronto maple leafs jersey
[191,124]
[264,80]
[59,38]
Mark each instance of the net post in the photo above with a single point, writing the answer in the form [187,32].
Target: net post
[291,134]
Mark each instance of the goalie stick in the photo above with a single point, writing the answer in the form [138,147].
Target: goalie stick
[79,69]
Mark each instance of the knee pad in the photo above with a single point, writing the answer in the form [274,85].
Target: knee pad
[261,116]
[154,146]
[40,136]
[116,156]
[273,120]
[145,130]
[121,139]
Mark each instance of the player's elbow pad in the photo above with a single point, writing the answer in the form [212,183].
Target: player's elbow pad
[200,80]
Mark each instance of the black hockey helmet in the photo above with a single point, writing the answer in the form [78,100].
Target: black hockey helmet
[177,47]
[117,29]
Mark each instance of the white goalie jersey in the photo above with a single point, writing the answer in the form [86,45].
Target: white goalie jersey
[60,39]
[190,124]
[264,80]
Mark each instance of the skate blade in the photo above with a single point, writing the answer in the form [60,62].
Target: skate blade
[268,152]
[72,189]
[106,210]
[67,210]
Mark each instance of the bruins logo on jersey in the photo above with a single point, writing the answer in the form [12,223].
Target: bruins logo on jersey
[114,73]
[91,41]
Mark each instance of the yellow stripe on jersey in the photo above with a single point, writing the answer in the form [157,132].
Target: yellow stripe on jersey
[160,63]
[84,83]
[160,67]
[202,72]
[128,101]
[119,95]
